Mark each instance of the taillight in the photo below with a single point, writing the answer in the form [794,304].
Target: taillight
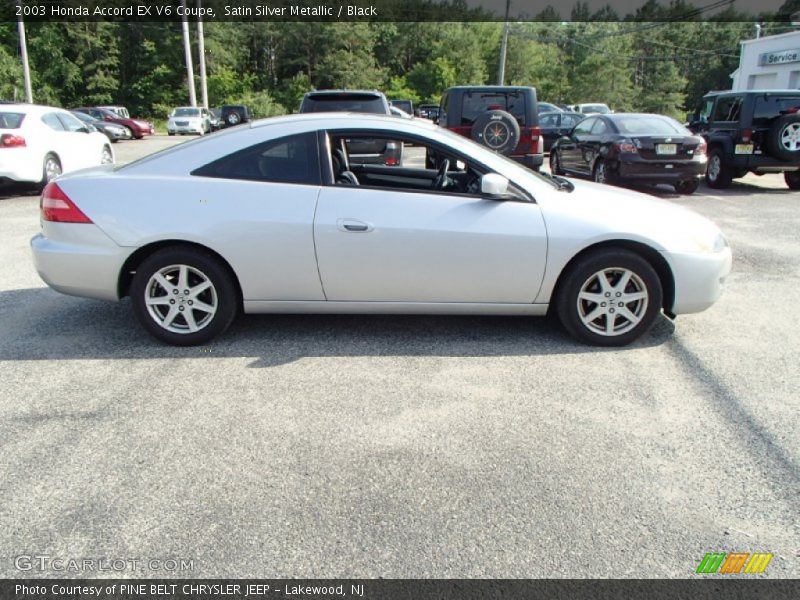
[701,149]
[626,147]
[747,135]
[391,162]
[9,140]
[535,133]
[56,206]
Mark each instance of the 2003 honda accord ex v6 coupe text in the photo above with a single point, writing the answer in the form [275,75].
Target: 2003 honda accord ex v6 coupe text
[280,217]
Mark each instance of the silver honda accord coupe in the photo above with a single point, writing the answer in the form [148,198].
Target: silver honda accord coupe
[280,217]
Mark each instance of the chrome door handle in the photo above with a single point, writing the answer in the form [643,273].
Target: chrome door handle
[353,226]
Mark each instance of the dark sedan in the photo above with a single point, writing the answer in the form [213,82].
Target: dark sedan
[643,148]
[557,124]
[138,127]
[112,131]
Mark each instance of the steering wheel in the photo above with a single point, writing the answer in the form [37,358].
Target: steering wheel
[441,180]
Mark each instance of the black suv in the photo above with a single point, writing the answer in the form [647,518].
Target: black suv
[234,114]
[756,131]
[360,151]
[502,118]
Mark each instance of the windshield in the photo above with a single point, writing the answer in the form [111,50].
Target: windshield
[650,125]
[11,120]
[477,103]
[595,108]
[344,103]
[84,117]
[186,112]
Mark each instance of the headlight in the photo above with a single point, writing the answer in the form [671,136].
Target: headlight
[707,244]
[142,123]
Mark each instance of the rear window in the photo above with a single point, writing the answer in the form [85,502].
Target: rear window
[11,120]
[344,103]
[650,125]
[477,103]
[770,107]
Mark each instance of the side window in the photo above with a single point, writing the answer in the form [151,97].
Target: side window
[52,121]
[705,110]
[445,104]
[599,127]
[728,109]
[584,127]
[291,159]
[548,121]
[71,123]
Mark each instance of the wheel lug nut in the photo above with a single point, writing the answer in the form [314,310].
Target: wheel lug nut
[174,291]
[180,308]
[190,303]
[185,291]
[619,294]
[602,304]
[172,301]
[611,310]
[608,294]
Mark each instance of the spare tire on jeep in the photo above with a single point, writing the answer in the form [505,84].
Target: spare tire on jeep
[497,130]
[783,138]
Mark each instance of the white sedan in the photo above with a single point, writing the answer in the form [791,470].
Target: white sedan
[38,143]
[277,217]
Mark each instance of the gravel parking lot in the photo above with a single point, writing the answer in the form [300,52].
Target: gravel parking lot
[328,446]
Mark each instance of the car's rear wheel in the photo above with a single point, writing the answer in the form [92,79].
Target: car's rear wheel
[792,179]
[687,187]
[609,298]
[555,163]
[603,173]
[51,168]
[183,297]
[718,174]
[783,138]
[233,118]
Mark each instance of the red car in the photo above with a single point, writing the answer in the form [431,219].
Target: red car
[138,127]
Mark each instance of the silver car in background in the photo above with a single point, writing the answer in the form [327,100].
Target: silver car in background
[189,119]
[274,218]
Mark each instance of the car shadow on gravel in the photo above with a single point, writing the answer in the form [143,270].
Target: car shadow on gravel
[40,324]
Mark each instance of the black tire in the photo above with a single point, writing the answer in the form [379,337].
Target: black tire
[584,274]
[792,179]
[201,266]
[688,187]
[555,163]
[718,176]
[51,168]
[170,133]
[603,173]
[785,131]
[497,130]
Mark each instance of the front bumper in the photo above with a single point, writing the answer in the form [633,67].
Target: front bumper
[660,171]
[81,261]
[190,128]
[699,279]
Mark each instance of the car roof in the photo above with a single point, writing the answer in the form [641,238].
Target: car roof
[342,117]
[562,112]
[750,92]
[30,108]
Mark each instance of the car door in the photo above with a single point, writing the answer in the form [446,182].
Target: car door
[571,146]
[590,145]
[379,244]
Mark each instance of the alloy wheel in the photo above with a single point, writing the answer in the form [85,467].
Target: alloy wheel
[181,299]
[790,137]
[106,158]
[714,167]
[612,301]
[600,172]
[52,168]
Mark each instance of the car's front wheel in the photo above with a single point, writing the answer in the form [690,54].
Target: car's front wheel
[183,297]
[555,163]
[106,157]
[609,298]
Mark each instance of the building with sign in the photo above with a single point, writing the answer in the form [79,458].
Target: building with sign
[771,62]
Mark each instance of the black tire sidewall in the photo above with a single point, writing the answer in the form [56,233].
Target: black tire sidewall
[207,264]
[555,163]
[569,287]
[687,187]
[792,179]
[503,120]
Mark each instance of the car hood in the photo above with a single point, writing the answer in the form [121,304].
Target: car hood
[607,212]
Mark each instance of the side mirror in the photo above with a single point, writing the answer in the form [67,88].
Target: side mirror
[87,129]
[494,185]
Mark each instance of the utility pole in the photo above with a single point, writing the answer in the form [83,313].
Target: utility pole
[187,50]
[26,70]
[501,72]
[201,49]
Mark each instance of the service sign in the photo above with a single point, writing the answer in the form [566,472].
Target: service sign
[778,58]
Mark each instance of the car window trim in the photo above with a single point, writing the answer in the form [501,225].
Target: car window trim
[425,141]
